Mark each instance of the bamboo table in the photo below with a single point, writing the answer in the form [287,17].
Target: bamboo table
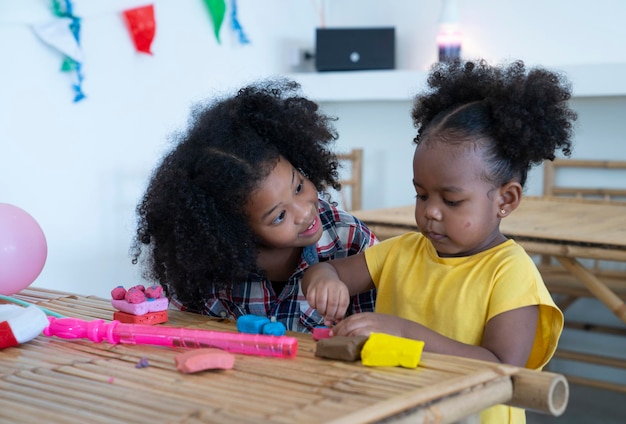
[51,379]
[566,229]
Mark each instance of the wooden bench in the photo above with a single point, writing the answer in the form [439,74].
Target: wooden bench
[602,180]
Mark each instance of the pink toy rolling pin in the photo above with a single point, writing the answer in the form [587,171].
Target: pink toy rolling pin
[116,332]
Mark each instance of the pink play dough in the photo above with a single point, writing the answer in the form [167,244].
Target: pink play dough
[118,293]
[142,308]
[135,295]
[204,359]
[154,292]
[138,300]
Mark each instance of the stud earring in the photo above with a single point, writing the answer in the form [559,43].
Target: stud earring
[502,211]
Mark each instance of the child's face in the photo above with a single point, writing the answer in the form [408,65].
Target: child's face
[455,208]
[283,211]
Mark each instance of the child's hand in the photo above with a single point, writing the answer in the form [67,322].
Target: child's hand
[369,322]
[330,298]
[329,285]
[326,292]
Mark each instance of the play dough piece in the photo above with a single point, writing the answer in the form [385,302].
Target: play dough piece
[150,318]
[204,359]
[274,328]
[140,301]
[118,293]
[321,333]
[154,292]
[150,305]
[385,350]
[340,347]
[142,363]
[135,295]
[252,324]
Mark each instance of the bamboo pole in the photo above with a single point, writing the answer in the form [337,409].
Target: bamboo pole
[454,409]
[540,391]
[561,250]
[595,328]
[447,410]
[604,385]
[595,286]
[590,358]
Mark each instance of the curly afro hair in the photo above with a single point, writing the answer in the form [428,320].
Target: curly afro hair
[521,116]
[192,231]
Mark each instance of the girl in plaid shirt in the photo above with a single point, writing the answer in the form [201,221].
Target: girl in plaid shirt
[233,214]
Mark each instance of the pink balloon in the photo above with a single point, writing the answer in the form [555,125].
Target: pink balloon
[23,249]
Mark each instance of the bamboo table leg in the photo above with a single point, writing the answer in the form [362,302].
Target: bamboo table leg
[595,286]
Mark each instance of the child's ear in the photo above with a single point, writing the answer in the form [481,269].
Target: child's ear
[510,195]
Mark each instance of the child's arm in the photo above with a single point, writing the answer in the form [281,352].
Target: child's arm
[329,285]
[508,337]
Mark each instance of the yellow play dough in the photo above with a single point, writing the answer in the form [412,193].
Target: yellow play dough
[384,350]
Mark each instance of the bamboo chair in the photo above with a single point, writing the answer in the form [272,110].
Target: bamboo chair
[557,280]
[552,188]
[561,283]
[352,162]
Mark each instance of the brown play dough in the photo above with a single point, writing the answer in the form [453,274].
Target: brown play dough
[341,347]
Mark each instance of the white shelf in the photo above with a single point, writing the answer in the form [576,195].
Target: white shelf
[595,80]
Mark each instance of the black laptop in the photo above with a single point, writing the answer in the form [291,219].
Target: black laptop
[349,49]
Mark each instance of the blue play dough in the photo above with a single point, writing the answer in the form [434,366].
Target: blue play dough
[255,324]
[274,329]
[252,324]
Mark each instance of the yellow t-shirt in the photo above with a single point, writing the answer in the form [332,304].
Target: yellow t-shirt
[457,296]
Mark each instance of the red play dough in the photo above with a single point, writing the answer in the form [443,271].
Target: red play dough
[204,359]
[150,318]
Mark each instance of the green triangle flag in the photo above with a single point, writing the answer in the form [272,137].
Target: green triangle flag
[68,64]
[218,10]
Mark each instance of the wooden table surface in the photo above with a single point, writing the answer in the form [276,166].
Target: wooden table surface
[50,379]
[588,223]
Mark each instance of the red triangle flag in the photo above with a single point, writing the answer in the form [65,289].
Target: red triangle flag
[142,26]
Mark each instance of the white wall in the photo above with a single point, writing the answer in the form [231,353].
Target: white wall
[79,168]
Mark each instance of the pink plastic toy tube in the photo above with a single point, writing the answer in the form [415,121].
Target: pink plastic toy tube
[116,332]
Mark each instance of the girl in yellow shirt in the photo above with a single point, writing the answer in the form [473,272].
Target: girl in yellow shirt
[459,284]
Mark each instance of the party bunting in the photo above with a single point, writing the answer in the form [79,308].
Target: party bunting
[217,9]
[62,8]
[142,26]
[243,39]
[63,34]
[59,35]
